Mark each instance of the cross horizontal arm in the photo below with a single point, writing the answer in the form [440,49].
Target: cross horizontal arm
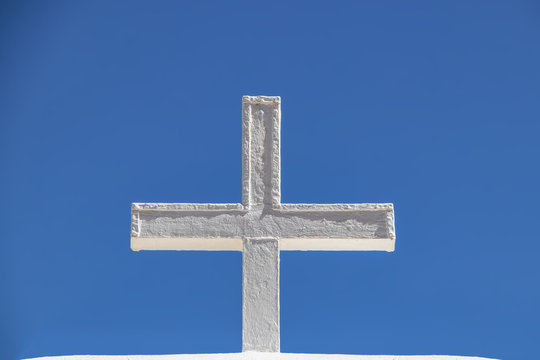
[157,226]
[340,227]
[297,226]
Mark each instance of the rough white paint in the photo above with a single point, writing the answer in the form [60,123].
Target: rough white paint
[261,215]
[260,227]
[260,328]
[298,221]
[251,355]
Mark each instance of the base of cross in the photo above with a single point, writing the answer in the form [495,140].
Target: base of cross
[254,355]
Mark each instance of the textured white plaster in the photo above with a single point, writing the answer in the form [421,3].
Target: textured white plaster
[313,221]
[261,121]
[260,330]
[251,355]
[261,215]
[260,227]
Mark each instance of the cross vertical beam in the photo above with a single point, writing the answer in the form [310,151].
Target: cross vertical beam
[261,119]
[260,308]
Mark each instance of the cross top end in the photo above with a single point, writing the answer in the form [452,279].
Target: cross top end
[261,99]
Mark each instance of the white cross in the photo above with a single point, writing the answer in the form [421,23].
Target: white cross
[261,225]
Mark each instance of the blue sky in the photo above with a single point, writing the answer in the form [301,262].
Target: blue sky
[432,106]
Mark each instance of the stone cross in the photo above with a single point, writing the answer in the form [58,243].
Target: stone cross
[261,225]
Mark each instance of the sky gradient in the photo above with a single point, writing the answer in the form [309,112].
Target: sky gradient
[432,106]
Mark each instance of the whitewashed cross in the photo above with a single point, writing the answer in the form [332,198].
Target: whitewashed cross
[261,225]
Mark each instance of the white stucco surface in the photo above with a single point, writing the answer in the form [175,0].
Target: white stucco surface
[260,308]
[261,225]
[158,226]
[261,356]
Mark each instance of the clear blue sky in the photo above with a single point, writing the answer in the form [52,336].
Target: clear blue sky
[431,105]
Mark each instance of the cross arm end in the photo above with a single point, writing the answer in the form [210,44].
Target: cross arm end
[186,226]
[341,227]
